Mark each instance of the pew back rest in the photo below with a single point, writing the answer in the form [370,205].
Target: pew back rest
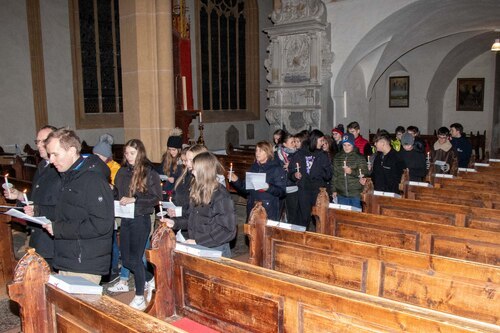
[434,212]
[236,297]
[474,199]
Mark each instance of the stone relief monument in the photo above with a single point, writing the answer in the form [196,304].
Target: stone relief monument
[299,66]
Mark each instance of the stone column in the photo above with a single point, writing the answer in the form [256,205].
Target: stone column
[147,72]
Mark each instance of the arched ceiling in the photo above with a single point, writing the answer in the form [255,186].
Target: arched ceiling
[420,23]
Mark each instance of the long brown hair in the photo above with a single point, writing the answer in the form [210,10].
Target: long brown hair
[138,182]
[205,182]
[169,161]
[195,150]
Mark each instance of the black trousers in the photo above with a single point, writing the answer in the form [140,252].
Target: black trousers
[134,234]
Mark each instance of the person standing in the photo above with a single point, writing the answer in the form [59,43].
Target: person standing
[45,191]
[442,156]
[387,166]
[413,159]
[310,169]
[211,220]
[103,150]
[275,182]
[361,143]
[348,168]
[83,221]
[461,144]
[137,183]
[171,165]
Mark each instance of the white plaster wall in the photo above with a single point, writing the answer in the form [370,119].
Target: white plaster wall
[482,66]
[16,99]
[420,67]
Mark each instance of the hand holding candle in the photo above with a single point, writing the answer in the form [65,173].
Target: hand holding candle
[25,197]
[6,185]
[161,210]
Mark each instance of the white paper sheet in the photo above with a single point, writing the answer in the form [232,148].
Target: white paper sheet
[179,237]
[124,211]
[344,207]
[38,220]
[255,181]
[386,194]
[170,204]
[222,180]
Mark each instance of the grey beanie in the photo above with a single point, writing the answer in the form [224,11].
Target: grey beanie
[103,147]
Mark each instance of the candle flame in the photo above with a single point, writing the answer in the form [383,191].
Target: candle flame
[25,190]
[6,175]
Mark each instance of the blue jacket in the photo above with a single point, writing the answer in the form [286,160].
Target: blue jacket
[270,198]
[463,148]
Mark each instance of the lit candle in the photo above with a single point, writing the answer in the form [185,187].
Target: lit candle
[428,155]
[230,169]
[345,166]
[298,166]
[200,118]
[161,209]
[184,93]
[170,199]
[25,196]
[6,181]
[360,174]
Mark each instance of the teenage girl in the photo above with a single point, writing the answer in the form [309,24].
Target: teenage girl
[137,183]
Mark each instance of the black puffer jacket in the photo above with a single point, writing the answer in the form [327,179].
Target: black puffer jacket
[84,219]
[211,225]
[145,201]
[45,195]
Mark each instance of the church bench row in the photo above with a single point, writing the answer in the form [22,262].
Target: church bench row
[44,308]
[231,296]
[489,199]
[408,233]
[235,297]
[439,283]
[434,212]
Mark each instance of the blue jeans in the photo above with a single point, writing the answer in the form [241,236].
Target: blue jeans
[225,248]
[355,202]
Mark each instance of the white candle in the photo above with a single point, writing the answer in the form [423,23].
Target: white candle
[161,209]
[200,118]
[298,166]
[428,155]
[345,166]
[360,174]
[6,181]
[184,94]
[25,197]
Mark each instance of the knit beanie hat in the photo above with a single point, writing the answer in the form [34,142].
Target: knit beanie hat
[103,147]
[175,139]
[348,138]
[339,129]
[407,139]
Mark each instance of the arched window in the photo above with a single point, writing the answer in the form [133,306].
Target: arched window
[95,40]
[228,59]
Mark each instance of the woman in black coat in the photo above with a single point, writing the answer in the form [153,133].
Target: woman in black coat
[310,168]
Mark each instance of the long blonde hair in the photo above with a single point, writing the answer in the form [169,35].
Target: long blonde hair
[205,166]
[195,150]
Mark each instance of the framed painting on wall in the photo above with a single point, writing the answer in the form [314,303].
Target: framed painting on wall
[399,91]
[470,94]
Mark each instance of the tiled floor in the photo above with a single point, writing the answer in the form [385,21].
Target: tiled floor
[9,312]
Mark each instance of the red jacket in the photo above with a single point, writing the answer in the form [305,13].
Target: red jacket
[361,144]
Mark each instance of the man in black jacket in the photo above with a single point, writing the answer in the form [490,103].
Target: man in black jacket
[84,216]
[44,194]
[387,166]
[461,144]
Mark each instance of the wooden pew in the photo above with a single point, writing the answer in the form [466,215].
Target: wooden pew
[45,308]
[435,282]
[7,259]
[453,196]
[232,296]
[410,234]
[433,211]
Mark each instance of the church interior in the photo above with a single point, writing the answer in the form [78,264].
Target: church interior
[229,73]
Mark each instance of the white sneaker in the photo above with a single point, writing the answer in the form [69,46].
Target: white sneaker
[138,303]
[120,287]
[150,286]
